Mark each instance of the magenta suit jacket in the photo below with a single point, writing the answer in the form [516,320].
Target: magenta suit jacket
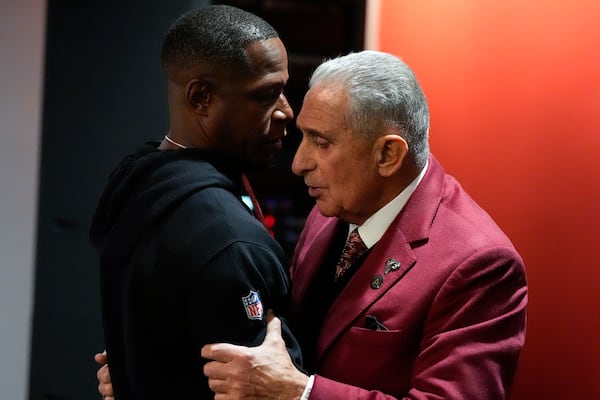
[454,309]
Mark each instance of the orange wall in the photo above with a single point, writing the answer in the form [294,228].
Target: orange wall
[514,90]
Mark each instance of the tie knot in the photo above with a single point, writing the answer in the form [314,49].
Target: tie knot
[355,242]
[353,249]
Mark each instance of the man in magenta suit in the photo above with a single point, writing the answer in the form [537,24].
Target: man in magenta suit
[434,309]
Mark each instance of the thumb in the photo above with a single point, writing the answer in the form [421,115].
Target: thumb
[273,328]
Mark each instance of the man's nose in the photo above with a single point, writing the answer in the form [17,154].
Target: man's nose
[300,161]
[283,109]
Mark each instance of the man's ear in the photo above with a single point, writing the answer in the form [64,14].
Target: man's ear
[391,154]
[198,95]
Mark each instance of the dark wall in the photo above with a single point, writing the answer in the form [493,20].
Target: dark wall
[104,94]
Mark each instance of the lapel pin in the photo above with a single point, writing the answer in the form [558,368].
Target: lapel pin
[391,265]
[376,281]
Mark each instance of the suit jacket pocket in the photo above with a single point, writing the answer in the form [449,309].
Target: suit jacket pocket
[372,359]
[373,338]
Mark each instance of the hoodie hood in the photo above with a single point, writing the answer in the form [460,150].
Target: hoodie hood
[146,185]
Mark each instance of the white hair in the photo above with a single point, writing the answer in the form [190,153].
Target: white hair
[383,92]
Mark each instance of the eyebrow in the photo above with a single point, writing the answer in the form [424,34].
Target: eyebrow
[312,132]
[276,79]
[270,85]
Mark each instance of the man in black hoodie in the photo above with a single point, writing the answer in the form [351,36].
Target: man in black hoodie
[183,261]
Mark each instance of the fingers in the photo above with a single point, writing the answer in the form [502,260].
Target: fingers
[214,370]
[107,397]
[104,384]
[101,358]
[219,387]
[222,352]
[226,352]
[103,375]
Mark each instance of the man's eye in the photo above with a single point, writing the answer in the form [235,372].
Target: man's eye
[320,141]
[269,97]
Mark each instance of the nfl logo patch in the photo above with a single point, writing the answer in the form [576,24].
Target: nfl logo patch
[253,305]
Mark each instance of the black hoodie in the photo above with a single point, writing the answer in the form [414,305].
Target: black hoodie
[183,263]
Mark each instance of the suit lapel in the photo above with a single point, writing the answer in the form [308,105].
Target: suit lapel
[359,294]
[311,258]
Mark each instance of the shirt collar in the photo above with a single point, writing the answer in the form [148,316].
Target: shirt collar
[375,226]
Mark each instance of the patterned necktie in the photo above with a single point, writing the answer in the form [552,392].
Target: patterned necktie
[353,249]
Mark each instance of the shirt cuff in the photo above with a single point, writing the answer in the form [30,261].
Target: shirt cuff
[308,388]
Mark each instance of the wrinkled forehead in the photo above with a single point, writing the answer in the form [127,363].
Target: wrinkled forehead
[325,101]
